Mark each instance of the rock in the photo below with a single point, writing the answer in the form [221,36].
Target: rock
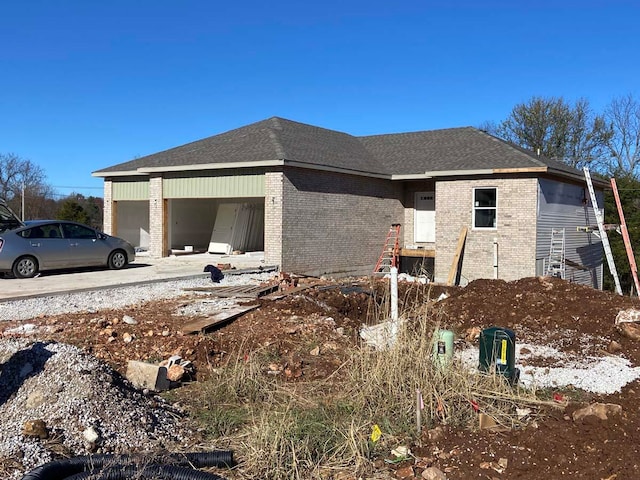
[614,347]
[472,334]
[90,435]
[433,473]
[315,352]
[35,399]
[129,320]
[629,330]
[35,428]
[435,434]
[628,315]
[404,473]
[175,372]
[127,337]
[146,375]
[600,410]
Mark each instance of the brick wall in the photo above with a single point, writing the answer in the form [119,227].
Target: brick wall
[334,223]
[156,217]
[108,210]
[515,232]
[273,218]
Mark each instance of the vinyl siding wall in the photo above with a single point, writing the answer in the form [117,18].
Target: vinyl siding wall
[233,183]
[568,206]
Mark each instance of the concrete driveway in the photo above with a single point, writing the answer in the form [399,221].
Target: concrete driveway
[143,270]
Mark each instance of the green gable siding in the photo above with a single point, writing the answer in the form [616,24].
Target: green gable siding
[130,189]
[214,184]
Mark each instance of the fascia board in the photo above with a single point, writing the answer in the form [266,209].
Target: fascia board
[127,173]
[211,166]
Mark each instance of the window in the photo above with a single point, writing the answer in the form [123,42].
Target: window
[484,207]
[72,230]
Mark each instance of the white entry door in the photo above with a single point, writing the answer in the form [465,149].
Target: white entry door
[424,220]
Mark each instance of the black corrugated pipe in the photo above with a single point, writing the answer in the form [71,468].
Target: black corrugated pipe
[63,469]
[145,472]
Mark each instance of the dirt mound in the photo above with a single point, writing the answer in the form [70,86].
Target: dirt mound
[311,331]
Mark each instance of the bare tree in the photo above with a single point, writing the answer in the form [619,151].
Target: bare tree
[21,177]
[556,129]
[623,114]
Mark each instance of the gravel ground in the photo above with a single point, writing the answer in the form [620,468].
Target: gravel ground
[118,297]
[83,405]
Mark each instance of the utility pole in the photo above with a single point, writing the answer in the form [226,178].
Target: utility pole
[22,201]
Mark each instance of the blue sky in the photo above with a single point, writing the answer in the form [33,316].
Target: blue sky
[86,84]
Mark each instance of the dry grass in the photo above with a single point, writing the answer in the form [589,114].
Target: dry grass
[283,430]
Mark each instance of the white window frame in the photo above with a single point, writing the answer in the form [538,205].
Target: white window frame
[476,208]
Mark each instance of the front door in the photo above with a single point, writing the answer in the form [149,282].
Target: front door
[424,221]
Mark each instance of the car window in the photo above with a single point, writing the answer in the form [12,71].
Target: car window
[33,232]
[77,231]
[52,231]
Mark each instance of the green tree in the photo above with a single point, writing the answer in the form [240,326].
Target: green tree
[72,210]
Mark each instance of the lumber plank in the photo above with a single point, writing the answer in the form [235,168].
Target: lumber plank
[201,325]
[291,291]
[453,271]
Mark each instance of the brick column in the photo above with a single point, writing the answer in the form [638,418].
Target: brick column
[273,191]
[108,210]
[156,217]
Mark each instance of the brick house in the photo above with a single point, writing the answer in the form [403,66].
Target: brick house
[323,201]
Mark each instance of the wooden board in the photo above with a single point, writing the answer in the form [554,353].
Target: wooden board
[418,252]
[453,271]
[291,291]
[224,316]
[238,291]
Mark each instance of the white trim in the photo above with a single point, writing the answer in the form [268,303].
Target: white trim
[128,173]
[211,166]
[411,176]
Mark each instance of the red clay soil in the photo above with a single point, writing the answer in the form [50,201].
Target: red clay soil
[312,330]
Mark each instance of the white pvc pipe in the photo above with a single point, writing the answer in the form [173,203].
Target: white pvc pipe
[394,293]
[495,258]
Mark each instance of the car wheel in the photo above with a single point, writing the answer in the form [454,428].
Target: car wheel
[25,267]
[117,260]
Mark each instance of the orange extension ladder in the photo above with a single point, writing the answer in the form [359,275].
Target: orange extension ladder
[625,237]
[390,251]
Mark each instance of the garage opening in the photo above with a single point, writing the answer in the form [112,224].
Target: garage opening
[132,222]
[216,225]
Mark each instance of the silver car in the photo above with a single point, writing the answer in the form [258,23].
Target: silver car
[55,244]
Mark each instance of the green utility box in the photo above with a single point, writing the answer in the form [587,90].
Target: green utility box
[498,352]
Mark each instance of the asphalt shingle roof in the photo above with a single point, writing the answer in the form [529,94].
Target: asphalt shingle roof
[451,149]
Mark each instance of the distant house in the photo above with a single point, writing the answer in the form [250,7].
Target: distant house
[321,201]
